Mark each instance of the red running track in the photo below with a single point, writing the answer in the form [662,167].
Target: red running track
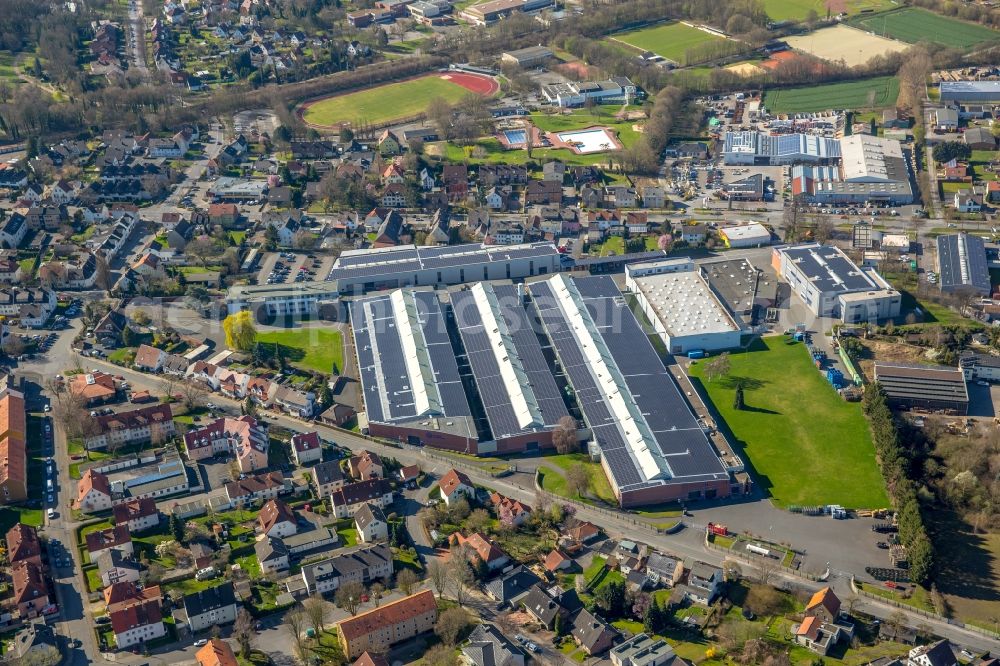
[476,83]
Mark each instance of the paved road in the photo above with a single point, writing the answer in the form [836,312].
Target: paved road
[137,37]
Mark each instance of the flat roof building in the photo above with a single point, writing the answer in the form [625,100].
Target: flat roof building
[831,285]
[527,57]
[490,12]
[753,234]
[970,91]
[616,89]
[643,650]
[871,169]
[962,264]
[681,306]
[651,445]
[409,376]
[513,380]
[759,149]
[930,387]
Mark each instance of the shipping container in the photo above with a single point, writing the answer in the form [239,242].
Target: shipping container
[696,353]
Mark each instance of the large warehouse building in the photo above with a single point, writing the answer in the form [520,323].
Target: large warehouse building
[650,443]
[832,285]
[360,271]
[970,91]
[682,307]
[757,149]
[409,376]
[962,264]
[871,169]
[930,387]
[513,380]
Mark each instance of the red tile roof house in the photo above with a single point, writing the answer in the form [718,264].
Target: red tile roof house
[482,547]
[510,512]
[149,359]
[93,388]
[93,492]
[454,485]
[137,515]
[392,623]
[118,538]
[243,437]
[365,465]
[257,487]
[137,620]
[306,448]
[277,520]
[557,561]
[31,594]
[409,473]
[824,604]
[23,545]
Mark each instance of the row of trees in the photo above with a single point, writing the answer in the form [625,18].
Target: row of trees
[895,465]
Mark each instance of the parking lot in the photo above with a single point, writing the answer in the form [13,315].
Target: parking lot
[288,267]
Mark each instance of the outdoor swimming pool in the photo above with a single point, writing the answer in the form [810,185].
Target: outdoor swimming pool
[589,140]
[516,137]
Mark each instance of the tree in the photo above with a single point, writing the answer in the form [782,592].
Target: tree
[406,580]
[438,574]
[192,394]
[664,242]
[564,436]
[348,596]
[241,334]
[441,655]
[202,249]
[346,135]
[460,574]
[717,367]
[177,527]
[14,346]
[478,520]
[611,599]
[578,479]
[102,272]
[763,600]
[317,611]
[450,625]
[767,568]
[824,230]
[738,399]
[295,620]
[951,150]
[557,625]
[243,632]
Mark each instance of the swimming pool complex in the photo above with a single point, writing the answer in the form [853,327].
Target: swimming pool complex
[516,137]
[589,140]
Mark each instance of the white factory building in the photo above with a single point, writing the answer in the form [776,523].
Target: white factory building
[681,306]
[831,285]
[757,149]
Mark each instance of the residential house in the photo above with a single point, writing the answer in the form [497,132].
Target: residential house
[592,633]
[12,231]
[393,196]
[224,214]
[980,138]
[272,554]
[276,520]
[365,465]
[93,492]
[480,546]
[543,192]
[664,569]
[389,227]
[704,583]
[93,388]
[379,629]
[306,448]
[110,328]
[820,636]
[557,560]
[824,605]
[539,605]
[242,437]
[327,477]
[348,499]
[215,653]
[654,196]
[967,201]
[389,144]
[113,566]
[215,606]
[512,586]
[31,593]
[149,359]
[363,565]
[258,487]
[935,654]
[371,523]
[694,234]
[510,512]
[409,474]
[153,424]
[23,545]
[34,643]
[642,650]
[487,646]
[117,538]
[455,485]
[137,515]
[294,402]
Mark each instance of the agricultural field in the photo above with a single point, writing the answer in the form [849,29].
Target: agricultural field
[912,25]
[797,10]
[670,40]
[807,445]
[395,100]
[877,93]
[844,43]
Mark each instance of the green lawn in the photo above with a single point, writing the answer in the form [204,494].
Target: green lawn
[797,10]
[384,103]
[847,95]
[808,446]
[912,25]
[670,40]
[11,515]
[599,481]
[309,348]
[348,532]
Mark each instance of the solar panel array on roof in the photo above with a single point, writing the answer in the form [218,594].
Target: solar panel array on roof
[515,384]
[405,358]
[829,268]
[962,260]
[637,414]
[409,258]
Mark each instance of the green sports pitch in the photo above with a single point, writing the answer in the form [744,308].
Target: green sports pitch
[383,103]
[670,40]
[876,93]
[912,25]
[798,10]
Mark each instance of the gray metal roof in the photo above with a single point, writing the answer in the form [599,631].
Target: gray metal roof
[402,259]
[962,260]
[922,382]
[829,269]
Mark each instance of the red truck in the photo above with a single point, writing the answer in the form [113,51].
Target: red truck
[718,530]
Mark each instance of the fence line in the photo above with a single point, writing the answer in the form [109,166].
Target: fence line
[750,560]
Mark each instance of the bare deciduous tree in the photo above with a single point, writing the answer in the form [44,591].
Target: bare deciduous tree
[317,611]
[243,632]
[438,574]
[564,436]
[406,580]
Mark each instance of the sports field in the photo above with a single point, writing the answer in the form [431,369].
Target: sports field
[847,95]
[912,25]
[395,100]
[797,10]
[842,43]
[670,40]
[807,445]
